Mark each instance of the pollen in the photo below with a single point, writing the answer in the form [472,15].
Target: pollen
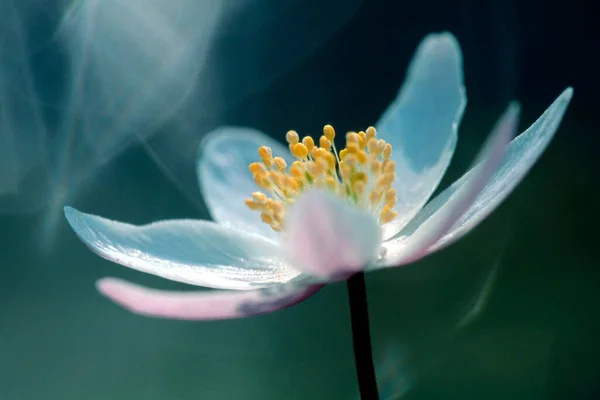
[361,173]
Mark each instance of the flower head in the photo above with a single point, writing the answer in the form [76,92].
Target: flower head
[289,219]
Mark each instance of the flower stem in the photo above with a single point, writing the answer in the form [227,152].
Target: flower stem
[361,337]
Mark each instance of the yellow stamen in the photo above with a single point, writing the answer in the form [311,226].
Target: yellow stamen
[329,132]
[343,153]
[266,218]
[279,164]
[387,151]
[292,137]
[371,132]
[352,137]
[362,173]
[259,197]
[257,168]
[325,143]
[253,205]
[299,150]
[266,155]
[309,143]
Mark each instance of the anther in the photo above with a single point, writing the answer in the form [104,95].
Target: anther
[280,164]
[389,166]
[362,157]
[387,216]
[299,150]
[390,197]
[375,167]
[330,160]
[266,155]
[387,150]
[292,137]
[309,143]
[266,218]
[259,197]
[324,143]
[362,140]
[372,145]
[352,137]
[263,181]
[297,169]
[343,154]
[251,204]
[329,132]
[371,132]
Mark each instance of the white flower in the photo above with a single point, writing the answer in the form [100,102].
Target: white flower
[314,236]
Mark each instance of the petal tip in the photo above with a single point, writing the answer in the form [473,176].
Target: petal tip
[443,47]
[511,116]
[444,44]
[106,286]
[68,211]
[125,294]
[567,94]
[445,37]
[514,107]
[111,289]
[71,214]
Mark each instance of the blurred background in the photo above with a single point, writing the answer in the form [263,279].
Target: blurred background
[103,104]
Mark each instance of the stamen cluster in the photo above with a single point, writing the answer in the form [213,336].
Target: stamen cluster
[362,173]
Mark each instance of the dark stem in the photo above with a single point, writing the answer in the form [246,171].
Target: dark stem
[361,338]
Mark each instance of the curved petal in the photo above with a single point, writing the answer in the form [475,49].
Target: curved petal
[226,182]
[190,251]
[207,305]
[434,222]
[327,237]
[421,124]
[520,156]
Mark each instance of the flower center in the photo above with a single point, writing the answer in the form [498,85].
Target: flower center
[362,173]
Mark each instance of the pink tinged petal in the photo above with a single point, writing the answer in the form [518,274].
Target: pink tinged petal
[329,238]
[190,251]
[422,123]
[435,221]
[521,155]
[207,305]
[226,182]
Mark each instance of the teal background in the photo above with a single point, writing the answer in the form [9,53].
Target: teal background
[534,334]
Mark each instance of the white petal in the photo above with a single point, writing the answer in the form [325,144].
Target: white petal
[520,156]
[207,305]
[430,225]
[329,238]
[422,122]
[226,182]
[190,251]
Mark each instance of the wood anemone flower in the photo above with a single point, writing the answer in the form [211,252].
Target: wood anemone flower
[290,219]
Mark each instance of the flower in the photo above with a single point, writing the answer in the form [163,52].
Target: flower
[322,215]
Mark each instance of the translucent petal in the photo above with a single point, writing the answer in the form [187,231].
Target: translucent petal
[430,225]
[207,305]
[329,238]
[422,123]
[520,156]
[190,251]
[226,182]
